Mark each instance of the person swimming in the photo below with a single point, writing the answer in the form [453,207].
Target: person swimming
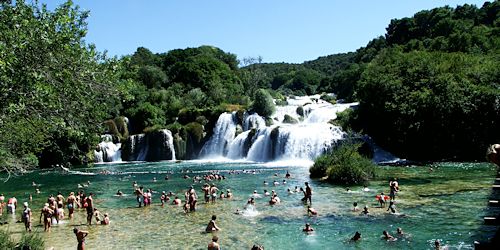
[311,211]
[387,236]
[365,211]
[356,237]
[355,207]
[308,228]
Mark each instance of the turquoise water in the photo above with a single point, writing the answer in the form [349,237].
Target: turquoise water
[447,203]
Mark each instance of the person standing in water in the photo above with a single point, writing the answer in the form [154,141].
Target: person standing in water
[308,193]
[27,217]
[47,214]
[90,208]
[213,245]
[80,237]
[71,200]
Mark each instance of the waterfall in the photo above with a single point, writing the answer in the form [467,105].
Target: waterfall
[253,121]
[223,134]
[107,151]
[307,139]
[153,146]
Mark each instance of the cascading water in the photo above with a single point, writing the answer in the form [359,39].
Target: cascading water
[311,136]
[224,133]
[107,151]
[154,146]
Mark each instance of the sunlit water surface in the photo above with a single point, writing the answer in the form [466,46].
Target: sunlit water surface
[447,203]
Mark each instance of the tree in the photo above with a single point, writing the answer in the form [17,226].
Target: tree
[52,84]
[263,103]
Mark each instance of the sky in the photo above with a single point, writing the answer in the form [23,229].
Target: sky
[291,31]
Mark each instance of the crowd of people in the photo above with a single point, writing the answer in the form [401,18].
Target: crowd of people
[53,210]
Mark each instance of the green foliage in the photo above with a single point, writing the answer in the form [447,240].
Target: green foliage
[53,85]
[435,105]
[344,165]
[263,103]
[345,119]
[33,241]
[5,240]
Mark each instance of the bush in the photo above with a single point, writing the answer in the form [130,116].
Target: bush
[344,165]
[32,241]
[263,103]
[5,241]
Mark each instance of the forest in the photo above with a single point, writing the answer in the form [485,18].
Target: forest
[428,90]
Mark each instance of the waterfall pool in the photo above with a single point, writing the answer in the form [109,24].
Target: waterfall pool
[447,203]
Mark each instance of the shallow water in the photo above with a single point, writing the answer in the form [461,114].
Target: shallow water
[447,204]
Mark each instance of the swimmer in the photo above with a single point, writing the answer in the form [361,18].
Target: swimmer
[284,182]
[97,215]
[265,183]
[266,193]
[356,237]
[251,201]
[154,179]
[287,175]
[255,194]
[437,245]
[355,207]
[229,195]
[296,189]
[348,190]
[257,247]
[80,237]
[213,245]
[222,196]
[400,231]
[289,191]
[105,220]
[276,183]
[212,226]
[307,228]
[177,201]
[311,211]
[387,236]
[365,188]
[163,198]
[365,211]
[37,190]
[119,193]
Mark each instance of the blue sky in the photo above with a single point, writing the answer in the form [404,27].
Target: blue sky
[278,30]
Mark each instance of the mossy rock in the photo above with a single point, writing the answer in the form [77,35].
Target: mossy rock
[290,120]
[269,121]
[300,110]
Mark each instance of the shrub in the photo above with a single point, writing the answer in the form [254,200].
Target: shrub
[344,165]
[5,241]
[263,103]
[32,241]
